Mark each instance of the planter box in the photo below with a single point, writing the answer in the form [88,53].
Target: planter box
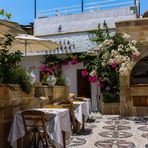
[109,108]
[59,92]
[53,92]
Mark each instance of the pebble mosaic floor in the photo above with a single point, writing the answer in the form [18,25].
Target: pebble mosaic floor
[112,131]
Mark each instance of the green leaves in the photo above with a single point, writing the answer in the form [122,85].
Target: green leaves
[10,71]
[101,34]
[6,14]
[19,76]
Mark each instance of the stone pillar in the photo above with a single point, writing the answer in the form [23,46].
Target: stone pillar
[125,100]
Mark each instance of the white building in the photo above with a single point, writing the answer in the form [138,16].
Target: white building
[74,28]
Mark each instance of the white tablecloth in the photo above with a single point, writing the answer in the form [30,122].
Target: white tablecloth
[88,105]
[63,116]
[81,109]
[55,125]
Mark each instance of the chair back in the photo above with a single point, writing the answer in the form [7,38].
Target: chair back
[34,124]
[69,105]
[33,118]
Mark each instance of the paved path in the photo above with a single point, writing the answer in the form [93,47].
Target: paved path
[112,131]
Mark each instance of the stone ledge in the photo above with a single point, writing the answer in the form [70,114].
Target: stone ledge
[135,22]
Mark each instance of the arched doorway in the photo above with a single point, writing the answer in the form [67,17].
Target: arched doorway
[139,73]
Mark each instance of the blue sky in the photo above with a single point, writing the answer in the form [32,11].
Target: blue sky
[23,10]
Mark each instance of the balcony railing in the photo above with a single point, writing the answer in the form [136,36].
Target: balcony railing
[88,7]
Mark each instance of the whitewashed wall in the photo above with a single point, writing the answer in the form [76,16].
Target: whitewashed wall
[31,61]
[70,74]
[81,21]
[80,40]
[95,91]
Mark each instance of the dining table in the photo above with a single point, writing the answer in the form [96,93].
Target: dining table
[82,110]
[88,103]
[57,121]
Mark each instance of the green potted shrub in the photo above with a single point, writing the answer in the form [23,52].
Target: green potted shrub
[52,66]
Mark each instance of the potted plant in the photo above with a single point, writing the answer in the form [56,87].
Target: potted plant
[52,70]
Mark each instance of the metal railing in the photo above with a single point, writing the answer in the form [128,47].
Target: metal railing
[88,7]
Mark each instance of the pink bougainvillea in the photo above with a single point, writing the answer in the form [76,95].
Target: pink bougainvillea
[134,57]
[74,61]
[50,70]
[114,65]
[42,68]
[84,73]
[92,79]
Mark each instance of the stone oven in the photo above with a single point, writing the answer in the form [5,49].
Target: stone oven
[134,87]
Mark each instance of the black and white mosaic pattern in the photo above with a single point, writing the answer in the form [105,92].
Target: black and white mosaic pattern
[114,143]
[143,128]
[115,134]
[116,127]
[112,131]
[76,141]
[145,135]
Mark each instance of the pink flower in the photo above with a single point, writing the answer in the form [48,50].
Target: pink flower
[114,64]
[74,61]
[54,67]
[134,57]
[49,70]
[84,73]
[92,79]
[42,68]
[57,66]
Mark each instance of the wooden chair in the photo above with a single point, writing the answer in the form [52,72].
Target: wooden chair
[69,105]
[63,133]
[34,124]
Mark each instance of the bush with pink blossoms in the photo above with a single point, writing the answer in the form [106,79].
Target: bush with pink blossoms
[113,55]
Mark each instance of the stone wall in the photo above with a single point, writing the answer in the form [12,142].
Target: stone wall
[138,30]
[12,99]
[127,94]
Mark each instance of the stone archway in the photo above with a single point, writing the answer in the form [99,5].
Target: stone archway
[134,89]
[138,31]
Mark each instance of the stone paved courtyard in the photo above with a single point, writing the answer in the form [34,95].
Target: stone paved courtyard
[112,131]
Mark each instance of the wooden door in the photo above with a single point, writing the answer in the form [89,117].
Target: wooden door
[83,85]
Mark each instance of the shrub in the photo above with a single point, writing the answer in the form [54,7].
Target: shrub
[114,55]
[10,71]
